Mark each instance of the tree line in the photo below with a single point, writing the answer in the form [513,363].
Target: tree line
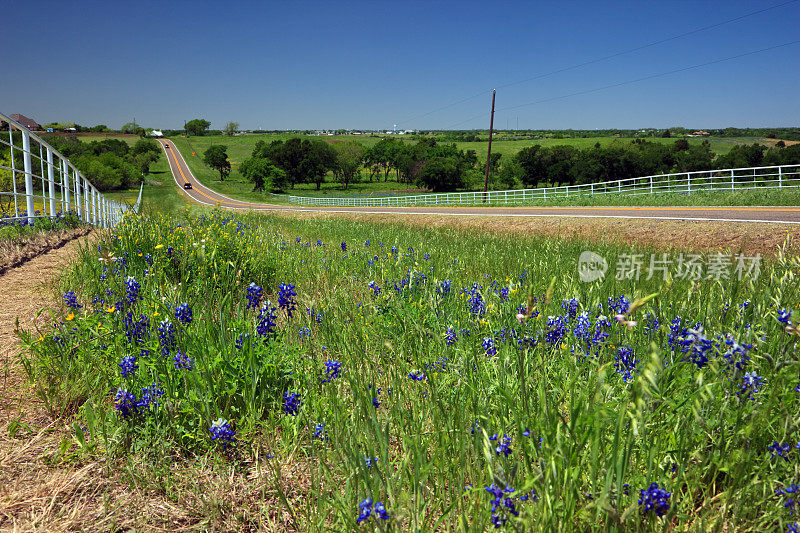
[280,165]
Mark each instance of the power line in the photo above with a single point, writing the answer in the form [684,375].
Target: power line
[636,80]
[603,58]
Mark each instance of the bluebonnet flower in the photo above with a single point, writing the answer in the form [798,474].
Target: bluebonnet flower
[125,403]
[148,259]
[166,336]
[370,462]
[304,332]
[675,332]
[655,499]
[239,343]
[503,294]
[299,240]
[266,320]
[651,324]
[394,250]
[286,294]
[332,370]
[780,450]
[571,307]
[132,290]
[183,361]
[128,366]
[503,445]
[557,329]
[476,304]
[222,432]
[375,401]
[582,326]
[444,288]
[381,511]
[625,362]
[150,396]
[698,346]
[320,432]
[291,403]
[502,505]
[366,244]
[750,384]
[375,288]
[184,313]
[793,528]
[532,496]
[254,295]
[489,347]
[365,510]
[136,330]
[344,247]
[416,376]
[736,355]
[785,316]
[619,305]
[319,242]
[71,300]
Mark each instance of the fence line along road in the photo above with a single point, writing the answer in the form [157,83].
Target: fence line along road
[39,172]
[781,176]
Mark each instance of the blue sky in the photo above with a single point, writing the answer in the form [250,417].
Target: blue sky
[312,65]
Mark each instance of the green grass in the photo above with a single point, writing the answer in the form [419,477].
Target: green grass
[587,431]
[241,147]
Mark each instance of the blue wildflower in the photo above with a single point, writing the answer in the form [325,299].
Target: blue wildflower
[332,370]
[71,300]
[477,306]
[128,366]
[184,313]
[450,336]
[698,346]
[571,307]
[365,508]
[503,445]
[375,402]
[502,505]
[166,336]
[489,346]
[375,288]
[132,290]
[150,396]
[444,288]
[286,295]
[183,361]
[320,432]
[780,450]
[751,383]
[344,247]
[785,316]
[625,362]
[619,305]
[655,499]
[222,432]
[380,510]
[416,376]
[239,343]
[291,403]
[125,403]
[266,320]
[254,295]
[557,328]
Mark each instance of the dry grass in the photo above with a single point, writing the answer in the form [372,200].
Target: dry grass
[668,235]
[14,253]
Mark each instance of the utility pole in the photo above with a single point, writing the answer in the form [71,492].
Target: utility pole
[489,155]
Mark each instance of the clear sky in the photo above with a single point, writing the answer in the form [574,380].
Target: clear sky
[314,65]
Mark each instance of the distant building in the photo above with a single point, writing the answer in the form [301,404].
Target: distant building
[25,121]
[700,132]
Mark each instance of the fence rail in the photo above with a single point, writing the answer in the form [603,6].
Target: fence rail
[40,173]
[731,179]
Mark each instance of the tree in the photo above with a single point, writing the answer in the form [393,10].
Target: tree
[217,158]
[231,128]
[132,128]
[318,158]
[349,156]
[263,174]
[197,127]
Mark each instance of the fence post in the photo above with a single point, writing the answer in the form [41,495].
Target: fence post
[65,184]
[591,185]
[780,177]
[51,179]
[651,185]
[26,158]
[689,182]
[732,182]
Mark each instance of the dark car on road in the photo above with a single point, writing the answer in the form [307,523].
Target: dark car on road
[187,185]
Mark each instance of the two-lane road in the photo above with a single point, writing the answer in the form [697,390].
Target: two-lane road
[778,215]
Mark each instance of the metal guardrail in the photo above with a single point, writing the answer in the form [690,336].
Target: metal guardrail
[730,179]
[63,189]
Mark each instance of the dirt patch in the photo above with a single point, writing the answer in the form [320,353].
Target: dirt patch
[14,254]
[667,235]
[773,142]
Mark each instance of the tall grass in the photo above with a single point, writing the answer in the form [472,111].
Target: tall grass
[415,418]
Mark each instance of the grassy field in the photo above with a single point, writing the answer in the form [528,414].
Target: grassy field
[240,148]
[463,380]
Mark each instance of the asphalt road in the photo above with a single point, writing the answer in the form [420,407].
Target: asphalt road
[777,215]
